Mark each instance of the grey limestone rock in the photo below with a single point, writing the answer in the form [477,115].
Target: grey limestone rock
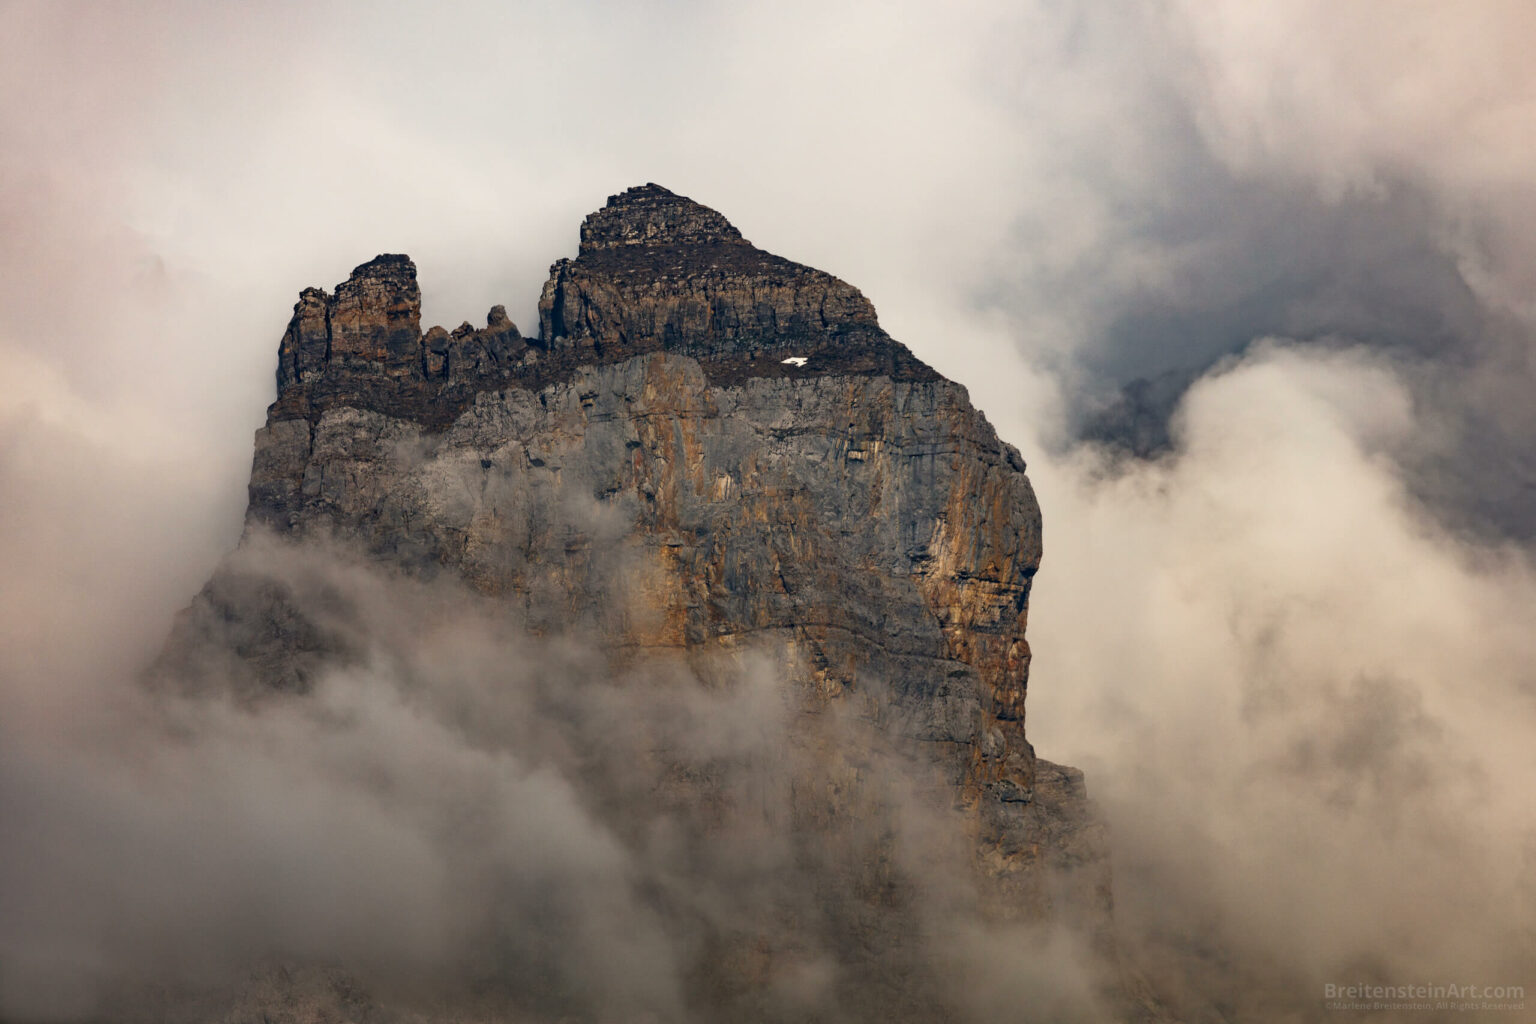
[652,474]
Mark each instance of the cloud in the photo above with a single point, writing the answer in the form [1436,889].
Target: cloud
[462,815]
[1302,701]
[1289,649]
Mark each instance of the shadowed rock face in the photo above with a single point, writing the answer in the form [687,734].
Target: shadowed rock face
[652,474]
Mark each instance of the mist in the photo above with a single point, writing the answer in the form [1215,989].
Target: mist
[1283,618]
[461,815]
[1314,748]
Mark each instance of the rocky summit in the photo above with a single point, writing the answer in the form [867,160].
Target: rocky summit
[711,458]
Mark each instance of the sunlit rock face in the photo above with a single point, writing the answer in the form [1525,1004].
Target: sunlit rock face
[707,453]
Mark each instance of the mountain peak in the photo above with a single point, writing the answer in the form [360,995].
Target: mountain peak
[659,270]
[649,215]
[711,465]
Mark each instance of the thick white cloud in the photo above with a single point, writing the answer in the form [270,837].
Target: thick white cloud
[1306,706]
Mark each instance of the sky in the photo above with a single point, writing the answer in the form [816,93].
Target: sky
[1283,617]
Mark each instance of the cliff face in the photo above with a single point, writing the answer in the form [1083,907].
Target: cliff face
[707,451]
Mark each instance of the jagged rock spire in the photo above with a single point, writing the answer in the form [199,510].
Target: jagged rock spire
[371,329]
[376,318]
[372,324]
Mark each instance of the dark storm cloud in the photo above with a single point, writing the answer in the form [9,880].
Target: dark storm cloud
[1259,261]
[1205,179]
[1248,260]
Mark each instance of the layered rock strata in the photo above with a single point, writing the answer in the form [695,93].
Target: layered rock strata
[705,449]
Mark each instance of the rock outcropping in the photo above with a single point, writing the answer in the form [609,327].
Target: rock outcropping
[706,450]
